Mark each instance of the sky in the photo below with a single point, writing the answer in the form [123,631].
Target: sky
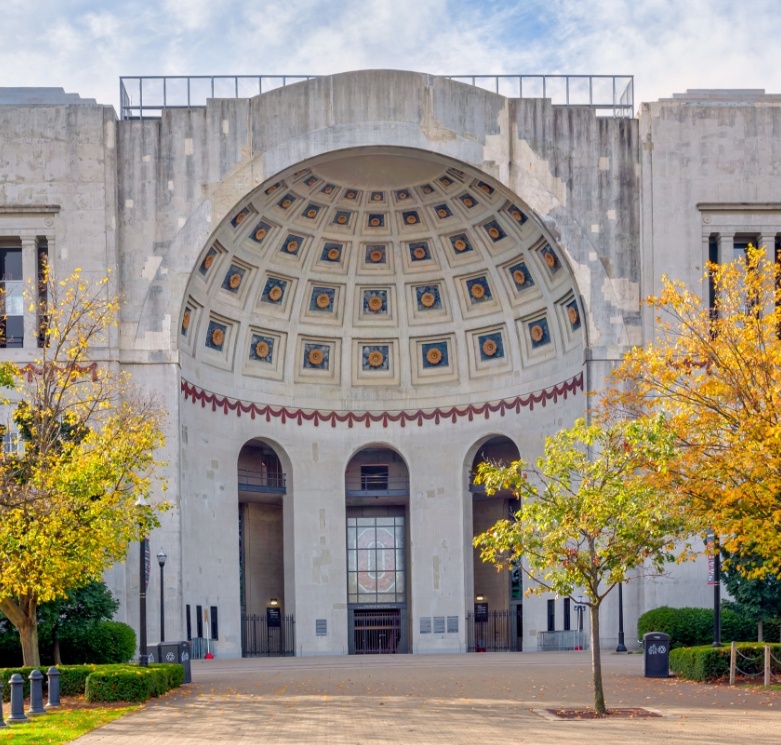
[669,46]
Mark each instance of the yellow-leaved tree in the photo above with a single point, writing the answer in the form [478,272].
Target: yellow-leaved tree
[77,490]
[715,371]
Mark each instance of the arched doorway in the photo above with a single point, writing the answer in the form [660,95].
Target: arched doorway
[262,487]
[377,512]
[496,624]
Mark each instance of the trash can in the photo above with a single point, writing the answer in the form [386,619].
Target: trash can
[656,655]
[176,652]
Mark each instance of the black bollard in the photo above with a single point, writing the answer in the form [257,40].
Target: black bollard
[36,693]
[54,687]
[17,699]
[2,722]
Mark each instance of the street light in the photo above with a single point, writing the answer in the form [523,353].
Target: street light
[143,581]
[621,646]
[161,557]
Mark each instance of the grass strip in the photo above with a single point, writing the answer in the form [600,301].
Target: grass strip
[61,725]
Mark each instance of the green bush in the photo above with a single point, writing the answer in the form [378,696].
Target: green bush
[709,663]
[101,643]
[692,627]
[73,678]
[132,683]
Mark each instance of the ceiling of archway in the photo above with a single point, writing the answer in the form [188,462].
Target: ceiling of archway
[383,277]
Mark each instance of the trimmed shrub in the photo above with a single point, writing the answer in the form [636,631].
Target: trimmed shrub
[133,683]
[101,643]
[709,663]
[692,627]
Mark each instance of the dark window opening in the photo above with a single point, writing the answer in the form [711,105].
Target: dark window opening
[11,295]
[213,615]
[567,622]
[374,478]
[189,622]
[199,621]
[551,615]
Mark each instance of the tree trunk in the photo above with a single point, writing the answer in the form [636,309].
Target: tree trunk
[596,661]
[23,614]
[56,650]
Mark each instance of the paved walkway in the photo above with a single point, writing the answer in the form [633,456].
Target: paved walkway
[476,699]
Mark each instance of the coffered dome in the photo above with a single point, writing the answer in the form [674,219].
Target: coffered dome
[375,278]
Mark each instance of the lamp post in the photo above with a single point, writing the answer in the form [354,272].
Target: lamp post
[161,557]
[621,646]
[580,608]
[143,580]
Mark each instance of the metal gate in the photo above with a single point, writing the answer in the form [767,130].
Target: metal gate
[501,631]
[376,631]
[259,639]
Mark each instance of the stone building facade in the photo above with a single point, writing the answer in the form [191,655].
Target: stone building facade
[348,292]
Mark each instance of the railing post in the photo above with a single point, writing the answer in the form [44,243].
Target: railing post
[54,687]
[733,654]
[767,666]
[36,693]
[17,699]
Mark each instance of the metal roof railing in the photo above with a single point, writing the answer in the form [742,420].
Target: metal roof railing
[146,97]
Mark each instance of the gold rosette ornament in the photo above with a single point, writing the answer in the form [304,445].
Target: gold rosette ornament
[234,281]
[459,244]
[516,215]
[403,195]
[433,356]
[333,253]
[376,358]
[550,259]
[323,301]
[375,303]
[186,319]
[341,219]
[412,219]
[427,299]
[572,314]
[260,234]
[275,293]
[419,252]
[485,188]
[218,337]
[489,347]
[376,255]
[494,232]
[291,247]
[208,261]
[286,203]
[468,202]
[478,291]
[374,222]
[239,219]
[262,349]
[537,332]
[377,197]
[350,195]
[311,212]
[315,357]
[442,212]
[519,277]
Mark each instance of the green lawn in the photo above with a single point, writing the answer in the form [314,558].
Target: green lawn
[60,725]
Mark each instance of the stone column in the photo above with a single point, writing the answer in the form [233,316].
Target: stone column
[30,275]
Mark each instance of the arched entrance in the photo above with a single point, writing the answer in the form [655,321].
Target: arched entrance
[262,487]
[496,624]
[377,510]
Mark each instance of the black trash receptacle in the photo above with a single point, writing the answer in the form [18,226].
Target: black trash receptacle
[176,652]
[656,655]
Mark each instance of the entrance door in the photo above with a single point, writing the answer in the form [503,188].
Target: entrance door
[376,631]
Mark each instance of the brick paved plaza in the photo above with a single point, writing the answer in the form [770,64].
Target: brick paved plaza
[427,699]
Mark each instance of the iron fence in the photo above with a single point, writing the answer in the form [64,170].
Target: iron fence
[557,641]
[146,97]
[261,639]
[498,632]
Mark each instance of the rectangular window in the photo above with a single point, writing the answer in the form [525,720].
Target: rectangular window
[567,622]
[551,615]
[42,272]
[376,559]
[213,614]
[11,294]
[189,622]
[199,620]
[374,478]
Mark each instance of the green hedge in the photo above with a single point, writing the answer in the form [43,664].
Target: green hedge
[133,683]
[101,643]
[691,627]
[709,663]
[74,679]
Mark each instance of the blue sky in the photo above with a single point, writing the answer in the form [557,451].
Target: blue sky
[84,46]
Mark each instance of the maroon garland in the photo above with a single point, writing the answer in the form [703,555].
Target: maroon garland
[453,413]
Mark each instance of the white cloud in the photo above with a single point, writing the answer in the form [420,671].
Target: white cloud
[667,44]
